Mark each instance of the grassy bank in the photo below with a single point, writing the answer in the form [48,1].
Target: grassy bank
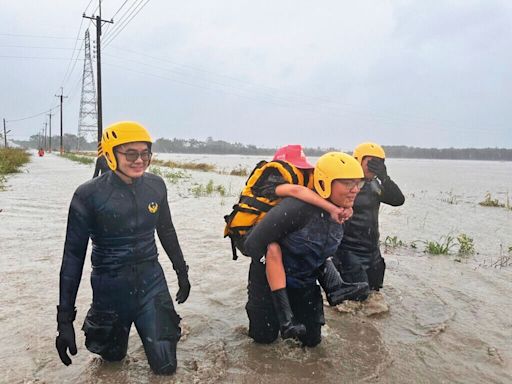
[82,158]
[11,160]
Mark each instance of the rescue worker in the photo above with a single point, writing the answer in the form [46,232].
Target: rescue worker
[358,257]
[101,165]
[307,236]
[119,211]
[289,174]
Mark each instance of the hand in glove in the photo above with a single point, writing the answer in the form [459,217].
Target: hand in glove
[66,335]
[378,167]
[184,285]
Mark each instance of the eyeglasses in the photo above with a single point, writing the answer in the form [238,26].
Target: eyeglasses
[133,155]
[350,184]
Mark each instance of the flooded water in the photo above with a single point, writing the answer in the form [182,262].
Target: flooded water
[442,318]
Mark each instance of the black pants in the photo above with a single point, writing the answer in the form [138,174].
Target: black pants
[306,304]
[359,267]
[135,294]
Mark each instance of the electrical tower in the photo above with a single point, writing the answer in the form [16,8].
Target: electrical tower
[88,124]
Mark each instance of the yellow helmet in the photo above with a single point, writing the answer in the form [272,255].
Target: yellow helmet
[368,149]
[332,166]
[121,133]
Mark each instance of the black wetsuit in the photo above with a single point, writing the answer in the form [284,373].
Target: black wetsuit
[358,257]
[307,236]
[127,280]
[101,166]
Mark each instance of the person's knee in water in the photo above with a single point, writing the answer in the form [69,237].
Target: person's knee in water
[124,256]
[358,257]
[297,226]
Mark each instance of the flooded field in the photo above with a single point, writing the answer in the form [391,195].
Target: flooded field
[443,318]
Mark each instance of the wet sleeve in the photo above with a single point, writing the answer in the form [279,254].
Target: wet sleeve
[75,248]
[168,237]
[288,216]
[391,194]
[267,184]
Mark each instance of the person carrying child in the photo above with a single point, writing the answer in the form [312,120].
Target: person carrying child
[289,174]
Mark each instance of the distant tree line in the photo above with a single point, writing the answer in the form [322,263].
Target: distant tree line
[211,146]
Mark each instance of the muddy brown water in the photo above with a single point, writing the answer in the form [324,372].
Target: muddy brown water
[439,319]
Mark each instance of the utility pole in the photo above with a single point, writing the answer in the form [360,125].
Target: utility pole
[61,96]
[5,135]
[99,24]
[45,125]
[50,135]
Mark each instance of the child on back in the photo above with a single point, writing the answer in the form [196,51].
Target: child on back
[289,174]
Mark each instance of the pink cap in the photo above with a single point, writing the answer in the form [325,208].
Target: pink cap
[294,155]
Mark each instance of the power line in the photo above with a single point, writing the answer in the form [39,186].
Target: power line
[73,53]
[110,39]
[36,36]
[33,47]
[32,116]
[34,57]
[121,19]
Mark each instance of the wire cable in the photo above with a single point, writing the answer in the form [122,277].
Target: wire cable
[128,22]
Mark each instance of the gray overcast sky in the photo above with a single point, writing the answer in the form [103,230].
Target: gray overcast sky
[325,73]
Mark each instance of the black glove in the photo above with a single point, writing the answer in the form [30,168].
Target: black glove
[66,334]
[184,285]
[378,167]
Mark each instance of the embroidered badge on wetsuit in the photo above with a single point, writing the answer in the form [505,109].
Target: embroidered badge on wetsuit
[153,207]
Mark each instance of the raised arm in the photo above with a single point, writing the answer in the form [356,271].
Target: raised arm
[309,196]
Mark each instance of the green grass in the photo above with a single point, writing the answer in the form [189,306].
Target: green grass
[393,242]
[466,245]
[84,159]
[11,160]
[199,190]
[441,247]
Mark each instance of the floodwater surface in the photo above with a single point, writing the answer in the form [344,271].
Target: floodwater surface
[444,318]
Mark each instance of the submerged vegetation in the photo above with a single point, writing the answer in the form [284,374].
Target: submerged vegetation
[11,160]
[84,159]
[199,190]
[205,167]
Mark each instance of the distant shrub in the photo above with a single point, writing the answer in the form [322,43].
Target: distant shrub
[12,159]
[239,171]
[490,202]
[199,190]
[186,165]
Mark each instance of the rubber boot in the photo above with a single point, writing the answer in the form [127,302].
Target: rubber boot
[288,326]
[336,289]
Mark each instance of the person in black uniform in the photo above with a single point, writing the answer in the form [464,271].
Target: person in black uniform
[307,236]
[119,211]
[101,165]
[358,257]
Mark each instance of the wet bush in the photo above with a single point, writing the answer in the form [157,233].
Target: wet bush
[466,245]
[11,160]
[84,159]
[450,198]
[441,247]
[205,167]
[393,242]
[490,202]
[239,171]
[174,176]
[199,190]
